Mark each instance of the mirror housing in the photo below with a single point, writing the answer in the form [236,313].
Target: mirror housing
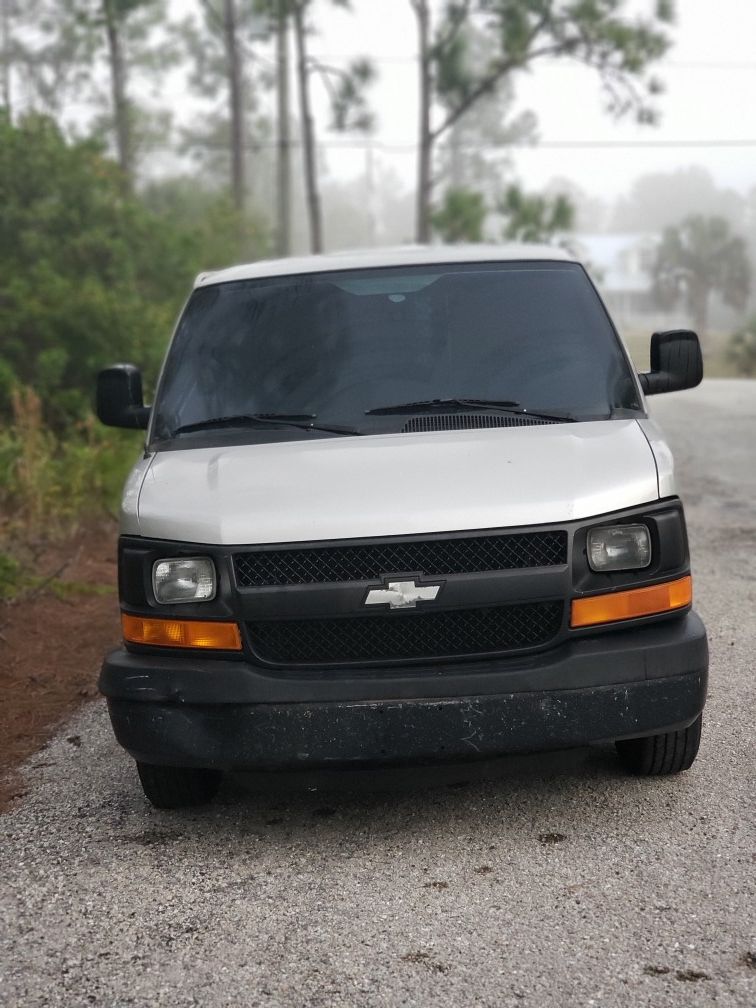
[119,397]
[676,362]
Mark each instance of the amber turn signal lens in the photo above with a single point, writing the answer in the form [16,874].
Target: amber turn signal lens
[625,605]
[181,633]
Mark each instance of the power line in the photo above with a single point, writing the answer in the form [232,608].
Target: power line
[662,66]
[399,148]
[578,144]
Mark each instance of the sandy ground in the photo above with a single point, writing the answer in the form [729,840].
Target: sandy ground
[542,881]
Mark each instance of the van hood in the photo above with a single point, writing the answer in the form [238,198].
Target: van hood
[390,484]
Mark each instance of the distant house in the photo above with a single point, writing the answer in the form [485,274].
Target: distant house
[620,265]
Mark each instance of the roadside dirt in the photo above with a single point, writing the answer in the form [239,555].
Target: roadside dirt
[51,644]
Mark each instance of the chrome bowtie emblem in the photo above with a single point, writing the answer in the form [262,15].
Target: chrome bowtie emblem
[402,594]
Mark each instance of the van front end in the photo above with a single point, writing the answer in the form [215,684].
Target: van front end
[401,505]
[409,648]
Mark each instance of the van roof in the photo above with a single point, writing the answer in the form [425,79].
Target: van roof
[402,255]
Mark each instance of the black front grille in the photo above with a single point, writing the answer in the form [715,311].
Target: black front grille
[431,557]
[469,421]
[402,636]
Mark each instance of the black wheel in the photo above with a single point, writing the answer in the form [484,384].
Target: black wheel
[177,787]
[657,755]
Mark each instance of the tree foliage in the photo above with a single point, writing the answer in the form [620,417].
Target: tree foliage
[350,112]
[597,33]
[474,154]
[696,258]
[87,275]
[58,47]
[530,217]
[460,217]
[527,217]
[41,57]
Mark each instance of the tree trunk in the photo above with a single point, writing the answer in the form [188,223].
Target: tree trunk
[236,112]
[121,106]
[425,139]
[283,187]
[308,133]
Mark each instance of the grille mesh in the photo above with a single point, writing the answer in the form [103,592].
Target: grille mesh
[396,637]
[431,557]
[468,421]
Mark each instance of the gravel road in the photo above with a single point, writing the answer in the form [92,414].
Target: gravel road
[540,881]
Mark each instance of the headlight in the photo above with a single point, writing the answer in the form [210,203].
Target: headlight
[188,579]
[619,547]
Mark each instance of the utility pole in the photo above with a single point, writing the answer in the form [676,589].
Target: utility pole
[283,181]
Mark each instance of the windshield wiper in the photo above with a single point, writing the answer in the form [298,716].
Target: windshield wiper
[500,405]
[423,404]
[300,420]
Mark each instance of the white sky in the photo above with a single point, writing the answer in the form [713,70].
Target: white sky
[710,76]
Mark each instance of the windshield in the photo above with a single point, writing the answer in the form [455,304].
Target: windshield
[336,346]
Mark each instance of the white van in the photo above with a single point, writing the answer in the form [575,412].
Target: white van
[401,505]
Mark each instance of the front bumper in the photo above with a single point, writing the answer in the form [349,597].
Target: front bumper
[195,711]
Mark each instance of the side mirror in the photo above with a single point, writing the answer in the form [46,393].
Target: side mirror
[676,362]
[119,397]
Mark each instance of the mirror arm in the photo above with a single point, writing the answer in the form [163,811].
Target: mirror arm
[654,382]
[140,416]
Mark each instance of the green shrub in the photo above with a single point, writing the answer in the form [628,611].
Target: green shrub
[89,276]
[55,483]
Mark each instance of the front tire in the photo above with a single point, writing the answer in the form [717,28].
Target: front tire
[169,787]
[659,755]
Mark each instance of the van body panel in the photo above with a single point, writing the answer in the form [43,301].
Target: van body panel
[402,255]
[665,464]
[392,484]
[130,498]
[247,737]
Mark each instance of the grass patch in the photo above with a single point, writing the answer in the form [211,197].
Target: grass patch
[68,590]
[12,579]
[16,583]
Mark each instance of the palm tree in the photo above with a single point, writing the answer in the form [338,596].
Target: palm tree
[699,256]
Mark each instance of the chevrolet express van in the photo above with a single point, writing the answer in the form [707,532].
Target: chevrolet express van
[401,505]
